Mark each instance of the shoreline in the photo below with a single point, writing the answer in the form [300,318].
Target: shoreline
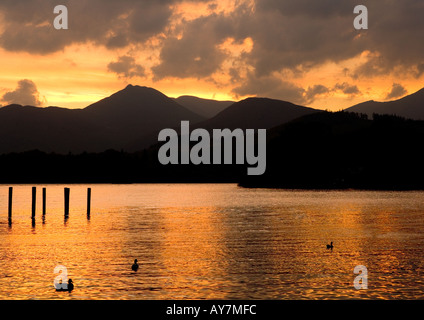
[246,186]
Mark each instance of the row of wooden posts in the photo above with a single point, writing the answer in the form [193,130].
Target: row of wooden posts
[34,198]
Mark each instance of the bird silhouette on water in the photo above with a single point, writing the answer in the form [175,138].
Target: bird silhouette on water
[330,246]
[70,285]
[135,265]
[69,288]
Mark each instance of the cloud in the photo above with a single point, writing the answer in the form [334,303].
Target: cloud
[27,24]
[397,91]
[25,94]
[322,9]
[271,86]
[296,37]
[274,86]
[318,34]
[126,67]
[348,89]
[315,91]
[196,53]
[322,31]
[419,70]
[286,33]
[288,37]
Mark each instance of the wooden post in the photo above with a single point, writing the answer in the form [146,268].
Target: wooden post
[10,202]
[44,201]
[34,200]
[88,201]
[67,192]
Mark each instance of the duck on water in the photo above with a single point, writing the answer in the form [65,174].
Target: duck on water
[69,288]
[134,267]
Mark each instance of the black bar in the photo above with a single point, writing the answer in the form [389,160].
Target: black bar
[88,201]
[10,202]
[44,201]
[34,201]
[67,192]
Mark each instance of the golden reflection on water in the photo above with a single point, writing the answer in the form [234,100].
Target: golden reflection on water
[205,241]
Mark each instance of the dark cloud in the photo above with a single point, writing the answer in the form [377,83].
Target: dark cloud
[397,91]
[274,86]
[419,70]
[271,86]
[25,94]
[313,92]
[348,89]
[149,18]
[126,67]
[306,33]
[196,53]
[320,9]
[27,24]
[301,35]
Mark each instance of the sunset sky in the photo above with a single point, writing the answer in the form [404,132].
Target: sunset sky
[305,51]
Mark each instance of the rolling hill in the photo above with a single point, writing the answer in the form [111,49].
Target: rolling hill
[256,113]
[130,120]
[411,107]
[131,116]
[204,107]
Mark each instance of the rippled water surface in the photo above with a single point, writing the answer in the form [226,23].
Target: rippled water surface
[212,241]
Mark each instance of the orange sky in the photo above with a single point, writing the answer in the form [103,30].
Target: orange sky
[78,75]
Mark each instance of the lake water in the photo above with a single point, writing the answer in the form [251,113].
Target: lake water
[212,241]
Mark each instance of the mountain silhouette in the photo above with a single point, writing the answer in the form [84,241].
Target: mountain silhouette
[411,107]
[134,116]
[130,116]
[49,129]
[205,107]
[136,105]
[130,120]
[256,113]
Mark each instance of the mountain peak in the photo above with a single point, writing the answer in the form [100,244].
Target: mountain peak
[130,87]
[257,113]
[136,92]
[410,106]
[138,106]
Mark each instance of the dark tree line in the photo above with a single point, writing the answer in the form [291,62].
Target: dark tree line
[322,150]
[345,150]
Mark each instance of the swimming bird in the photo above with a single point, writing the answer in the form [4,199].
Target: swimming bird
[135,265]
[330,246]
[70,285]
[69,288]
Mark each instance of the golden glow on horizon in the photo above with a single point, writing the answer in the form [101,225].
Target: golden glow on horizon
[78,75]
